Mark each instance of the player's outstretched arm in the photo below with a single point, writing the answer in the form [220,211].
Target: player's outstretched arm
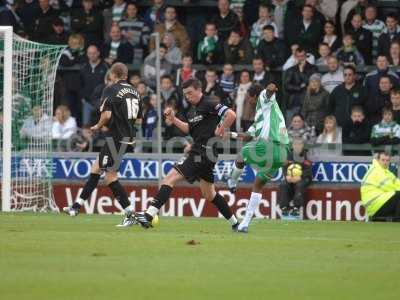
[228,118]
[170,116]
[245,137]
[104,119]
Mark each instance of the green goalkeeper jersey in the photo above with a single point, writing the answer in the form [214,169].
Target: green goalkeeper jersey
[269,123]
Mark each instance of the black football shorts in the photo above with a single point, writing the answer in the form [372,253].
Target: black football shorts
[195,167]
[111,154]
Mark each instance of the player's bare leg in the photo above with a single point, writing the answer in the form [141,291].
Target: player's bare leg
[89,187]
[167,185]
[209,193]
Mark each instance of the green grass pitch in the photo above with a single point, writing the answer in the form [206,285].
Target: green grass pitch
[55,257]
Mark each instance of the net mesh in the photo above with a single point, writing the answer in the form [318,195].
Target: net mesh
[33,77]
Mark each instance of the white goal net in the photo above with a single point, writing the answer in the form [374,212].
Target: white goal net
[26,108]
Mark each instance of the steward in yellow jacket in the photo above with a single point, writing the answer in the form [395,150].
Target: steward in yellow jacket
[380,189]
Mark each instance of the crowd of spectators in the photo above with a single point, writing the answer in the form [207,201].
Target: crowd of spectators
[315,51]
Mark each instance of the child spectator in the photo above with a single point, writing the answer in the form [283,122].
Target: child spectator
[357,130]
[143,90]
[264,19]
[149,117]
[227,80]
[209,50]
[349,54]
[292,188]
[299,129]
[186,72]
[387,132]
[331,134]
[168,92]
[324,53]
[237,50]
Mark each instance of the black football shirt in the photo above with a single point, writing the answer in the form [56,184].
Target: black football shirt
[125,105]
[203,119]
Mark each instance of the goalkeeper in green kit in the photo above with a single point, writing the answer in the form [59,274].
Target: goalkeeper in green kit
[266,150]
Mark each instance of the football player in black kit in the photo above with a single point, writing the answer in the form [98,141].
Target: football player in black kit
[207,119]
[120,107]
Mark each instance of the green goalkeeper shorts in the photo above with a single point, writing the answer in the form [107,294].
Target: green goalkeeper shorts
[266,157]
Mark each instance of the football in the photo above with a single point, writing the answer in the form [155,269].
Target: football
[294,170]
[156,221]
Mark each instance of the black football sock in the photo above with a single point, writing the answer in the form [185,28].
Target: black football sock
[119,193]
[90,185]
[162,196]
[159,200]
[224,209]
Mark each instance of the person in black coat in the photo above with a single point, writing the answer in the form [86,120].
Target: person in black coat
[362,38]
[260,75]
[10,17]
[357,130]
[292,188]
[92,74]
[226,20]
[117,50]
[375,103]
[59,36]
[296,81]
[306,31]
[345,96]
[43,22]
[73,55]
[237,50]
[88,21]
[271,49]
[391,34]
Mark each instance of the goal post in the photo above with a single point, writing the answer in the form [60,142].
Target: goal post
[26,89]
[7,118]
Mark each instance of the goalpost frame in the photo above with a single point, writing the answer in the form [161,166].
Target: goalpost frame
[7,118]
